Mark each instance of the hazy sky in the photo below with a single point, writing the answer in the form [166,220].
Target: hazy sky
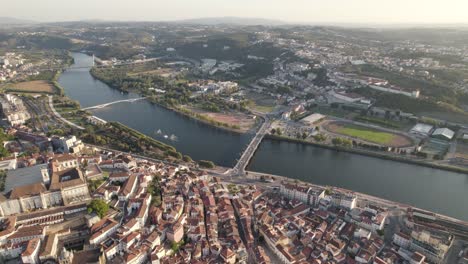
[322,11]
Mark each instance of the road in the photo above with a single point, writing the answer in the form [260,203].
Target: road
[452,254]
[395,224]
[51,105]
[36,113]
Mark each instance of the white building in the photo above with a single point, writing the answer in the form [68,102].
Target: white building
[402,239]
[433,248]
[422,129]
[414,94]
[339,96]
[70,144]
[443,133]
[4,61]
[96,120]
[313,119]
[31,254]
[27,233]
[14,110]
[8,164]
[304,194]
[64,184]
[102,230]
[348,202]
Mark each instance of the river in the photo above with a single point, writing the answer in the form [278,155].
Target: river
[432,189]
[198,140]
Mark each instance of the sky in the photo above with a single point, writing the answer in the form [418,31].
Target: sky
[298,11]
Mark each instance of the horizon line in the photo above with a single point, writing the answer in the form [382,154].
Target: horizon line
[275,22]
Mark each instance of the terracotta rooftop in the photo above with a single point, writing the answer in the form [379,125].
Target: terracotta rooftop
[28,231]
[64,157]
[66,178]
[32,246]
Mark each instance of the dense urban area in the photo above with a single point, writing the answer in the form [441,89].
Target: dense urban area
[75,188]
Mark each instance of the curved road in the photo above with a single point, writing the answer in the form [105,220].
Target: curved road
[51,105]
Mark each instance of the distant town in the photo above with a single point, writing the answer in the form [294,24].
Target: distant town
[77,187]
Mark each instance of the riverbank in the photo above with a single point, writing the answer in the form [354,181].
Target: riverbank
[135,140]
[400,182]
[193,116]
[226,127]
[370,154]
[178,109]
[277,179]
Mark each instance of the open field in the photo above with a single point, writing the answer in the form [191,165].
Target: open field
[239,121]
[163,72]
[369,134]
[243,121]
[261,103]
[32,87]
[325,110]
[262,108]
[397,125]
[450,117]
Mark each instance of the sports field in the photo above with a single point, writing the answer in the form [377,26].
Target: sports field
[369,134]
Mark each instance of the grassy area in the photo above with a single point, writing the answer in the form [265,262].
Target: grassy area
[69,110]
[366,134]
[428,88]
[381,122]
[262,108]
[39,86]
[334,112]
[450,117]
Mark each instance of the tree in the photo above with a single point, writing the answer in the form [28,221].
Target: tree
[342,142]
[3,175]
[154,188]
[187,158]
[100,207]
[320,137]
[347,142]
[381,232]
[206,164]
[58,132]
[279,132]
[337,141]
[261,239]
[94,184]
[175,246]
[4,152]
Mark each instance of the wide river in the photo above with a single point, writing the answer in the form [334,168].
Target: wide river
[432,189]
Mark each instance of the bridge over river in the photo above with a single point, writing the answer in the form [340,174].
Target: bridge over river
[111,103]
[243,161]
